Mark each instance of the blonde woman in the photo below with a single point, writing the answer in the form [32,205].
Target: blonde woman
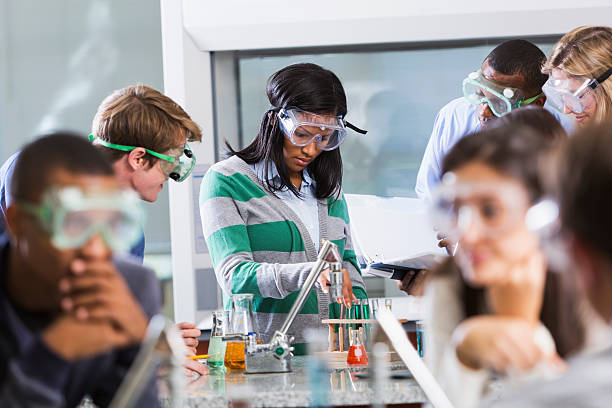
[580,69]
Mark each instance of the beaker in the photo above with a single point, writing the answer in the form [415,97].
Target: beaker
[241,322]
[216,347]
[357,353]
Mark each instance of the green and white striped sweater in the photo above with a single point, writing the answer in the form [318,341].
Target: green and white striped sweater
[259,245]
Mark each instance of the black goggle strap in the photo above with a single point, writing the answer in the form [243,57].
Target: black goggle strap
[602,78]
[355,128]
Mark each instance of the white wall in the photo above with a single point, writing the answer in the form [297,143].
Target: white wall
[258,24]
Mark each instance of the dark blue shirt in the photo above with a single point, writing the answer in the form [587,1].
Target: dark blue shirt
[6,174]
[31,375]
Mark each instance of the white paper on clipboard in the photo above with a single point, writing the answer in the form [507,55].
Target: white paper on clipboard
[394,231]
[394,331]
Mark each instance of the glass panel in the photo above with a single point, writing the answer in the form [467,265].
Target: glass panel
[58,63]
[395,95]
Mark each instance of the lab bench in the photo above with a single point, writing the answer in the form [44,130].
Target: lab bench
[347,388]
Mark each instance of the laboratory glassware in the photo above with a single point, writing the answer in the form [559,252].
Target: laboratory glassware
[216,347]
[241,322]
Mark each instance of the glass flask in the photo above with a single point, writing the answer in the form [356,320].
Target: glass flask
[357,353]
[241,322]
[216,347]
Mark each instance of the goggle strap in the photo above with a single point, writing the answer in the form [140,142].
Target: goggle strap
[34,209]
[123,148]
[602,77]
[355,128]
[528,101]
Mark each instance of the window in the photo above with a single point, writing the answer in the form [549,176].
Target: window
[395,94]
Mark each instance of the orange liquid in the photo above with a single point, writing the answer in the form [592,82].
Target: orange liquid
[234,356]
[357,355]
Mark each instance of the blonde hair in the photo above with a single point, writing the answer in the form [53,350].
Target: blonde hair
[141,116]
[586,51]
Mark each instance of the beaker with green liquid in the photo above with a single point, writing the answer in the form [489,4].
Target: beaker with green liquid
[216,347]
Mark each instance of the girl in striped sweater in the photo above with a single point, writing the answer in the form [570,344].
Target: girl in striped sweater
[266,208]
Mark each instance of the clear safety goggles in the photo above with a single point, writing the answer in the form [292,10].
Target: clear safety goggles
[492,208]
[478,89]
[177,164]
[577,93]
[302,127]
[72,217]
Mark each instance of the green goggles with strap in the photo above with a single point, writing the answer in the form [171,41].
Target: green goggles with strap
[478,89]
[72,217]
[177,164]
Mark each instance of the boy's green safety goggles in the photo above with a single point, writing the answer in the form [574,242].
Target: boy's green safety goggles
[177,164]
[478,89]
[72,217]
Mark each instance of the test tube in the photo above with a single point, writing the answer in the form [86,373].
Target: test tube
[389,304]
[365,309]
[420,328]
[365,313]
[341,329]
[355,313]
[374,307]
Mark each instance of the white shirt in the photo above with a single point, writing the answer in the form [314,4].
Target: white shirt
[455,120]
[305,206]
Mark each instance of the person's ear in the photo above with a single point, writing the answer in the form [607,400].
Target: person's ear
[136,158]
[13,221]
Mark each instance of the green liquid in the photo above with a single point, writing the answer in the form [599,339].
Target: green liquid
[216,351]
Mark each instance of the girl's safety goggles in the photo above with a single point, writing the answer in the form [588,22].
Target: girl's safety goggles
[478,89]
[177,164]
[577,93]
[72,217]
[492,208]
[302,127]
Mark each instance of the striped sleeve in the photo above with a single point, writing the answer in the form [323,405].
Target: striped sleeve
[231,241]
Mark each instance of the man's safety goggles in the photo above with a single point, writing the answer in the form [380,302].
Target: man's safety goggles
[492,208]
[302,127]
[72,217]
[478,89]
[577,93]
[177,164]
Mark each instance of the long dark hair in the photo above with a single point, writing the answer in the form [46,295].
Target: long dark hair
[517,152]
[310,88]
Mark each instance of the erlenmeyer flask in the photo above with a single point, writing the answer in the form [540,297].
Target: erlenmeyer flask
[216,347]
[241,322]
[357,353]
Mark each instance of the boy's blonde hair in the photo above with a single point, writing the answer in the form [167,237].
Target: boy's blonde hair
[138,115]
